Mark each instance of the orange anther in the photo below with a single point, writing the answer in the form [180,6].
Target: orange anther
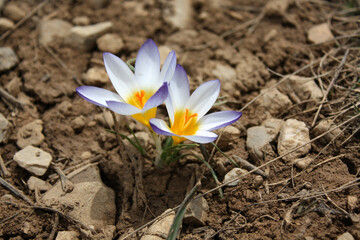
[140,97]
[187,118]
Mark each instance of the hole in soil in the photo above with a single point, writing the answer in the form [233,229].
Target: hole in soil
[350,165]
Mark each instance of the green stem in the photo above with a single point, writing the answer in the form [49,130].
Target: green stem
[158,149]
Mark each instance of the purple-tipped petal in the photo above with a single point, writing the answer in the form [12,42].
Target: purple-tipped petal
[204,97]
[123,108]
[120,75]
[179,90]
[218,120]
[156,99]
[168,68]
[202,137]
[97,96]
[147,66]
[160,127]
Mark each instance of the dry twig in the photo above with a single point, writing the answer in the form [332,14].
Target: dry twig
[330,86]
[15,191]
[10,99]
[63,65]
[3,168]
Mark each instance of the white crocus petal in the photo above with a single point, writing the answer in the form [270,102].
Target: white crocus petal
[203,98]
[170,109]
[202,137]
[147,66]
[120,75]
[122,108]
[97,96]
[168,68]
[218,120]
[160,127]
[179,90]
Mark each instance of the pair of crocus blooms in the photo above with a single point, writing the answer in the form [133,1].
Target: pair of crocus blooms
[141,93]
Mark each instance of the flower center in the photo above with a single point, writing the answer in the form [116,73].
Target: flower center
[185,123]
[139,98]
[187,117]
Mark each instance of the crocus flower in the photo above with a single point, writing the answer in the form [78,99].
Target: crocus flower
[137,94]
[187,113]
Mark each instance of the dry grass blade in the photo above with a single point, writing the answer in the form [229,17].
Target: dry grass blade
[10,99]
[336,75]
[175,227]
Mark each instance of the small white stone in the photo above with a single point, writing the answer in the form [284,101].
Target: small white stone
[270,35]
[52,29]
[273,126]
[35,182]
[293,134]
[67,235]
[96,76]
[234,174]
[273,102]
[13,87]
[81,20]
[345,236]
[8,59]
[300,88]
[352,202]
[7,197]
[258,181]
[92,202]
[13,12]
[181,14]
[320,33]
[196,212]
[33,159]
[84,37]
[230,134]
[323,127]
[78,123]
[86,155]
[276,7]
[136,7]
[5,24]
[110,42]
[160,227]
[5,128]
[258,142]
[302,163]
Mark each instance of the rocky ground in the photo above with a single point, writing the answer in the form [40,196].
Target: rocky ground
[291,67]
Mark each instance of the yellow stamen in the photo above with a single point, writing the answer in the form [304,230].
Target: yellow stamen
[187,117]
[184,123]
[139,97]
